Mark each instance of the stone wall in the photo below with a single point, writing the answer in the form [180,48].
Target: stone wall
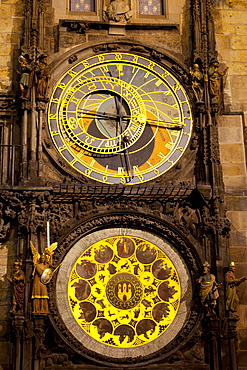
[11,20]
[11,25]
[231,43]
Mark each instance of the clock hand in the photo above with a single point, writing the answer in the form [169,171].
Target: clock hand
[151,122]
[102,114]
[173,126]
[119,104]
[168,123]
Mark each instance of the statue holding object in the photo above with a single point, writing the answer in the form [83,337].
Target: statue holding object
[197,82]
[232,284]
[18,280]
[26,76]
[208,290]
[215,78]
[42,275]
[43,76]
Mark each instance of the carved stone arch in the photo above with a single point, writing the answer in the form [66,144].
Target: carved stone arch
[140,225]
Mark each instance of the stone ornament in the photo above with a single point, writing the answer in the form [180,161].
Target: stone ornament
[197,82]
[118,11]
[18,281]
[25,72]
[232,284]
[215,78]
[42,266]
[42,73]
[208,290]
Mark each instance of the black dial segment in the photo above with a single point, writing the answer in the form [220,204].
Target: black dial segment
[138,155]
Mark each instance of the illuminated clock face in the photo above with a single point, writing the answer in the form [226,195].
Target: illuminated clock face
[122,294]
[120,118]
[124,291]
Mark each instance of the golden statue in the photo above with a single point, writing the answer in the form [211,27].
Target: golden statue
[42,275]
[18,280]
[232,284]
[208,290]
[196,79]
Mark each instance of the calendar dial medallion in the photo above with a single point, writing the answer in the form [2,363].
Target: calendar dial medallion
[124,292]
[122,295]
[120,118]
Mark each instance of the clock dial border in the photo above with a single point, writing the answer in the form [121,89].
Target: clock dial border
[103,349]
[119,222]
[161,160]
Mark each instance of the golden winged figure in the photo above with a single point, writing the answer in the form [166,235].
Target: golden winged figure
[48,252]
[42,274]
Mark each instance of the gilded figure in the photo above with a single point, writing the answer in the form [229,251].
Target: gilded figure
[42,268]
[208,290]
[18,280]
[232,284]
[25,71]
[215,78]
[42,77]
[196,80]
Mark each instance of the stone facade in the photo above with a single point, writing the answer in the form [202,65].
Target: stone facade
[41,184]
[231,43]
[11,17]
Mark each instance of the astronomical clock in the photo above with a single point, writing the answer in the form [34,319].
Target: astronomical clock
[120,120]
[109,151]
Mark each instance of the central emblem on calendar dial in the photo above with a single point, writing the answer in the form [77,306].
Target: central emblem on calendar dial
[120,118]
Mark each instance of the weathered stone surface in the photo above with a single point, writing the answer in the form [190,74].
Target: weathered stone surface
[225,29]
[5,350]
[231,182]
[242,339]
[242,360]
[237,238]
[233,17]
[232,152]
[238,55]
[230,135]
[236,169]
[223,42]
[241,29]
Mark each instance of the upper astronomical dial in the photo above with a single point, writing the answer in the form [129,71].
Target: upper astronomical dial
[120,118]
